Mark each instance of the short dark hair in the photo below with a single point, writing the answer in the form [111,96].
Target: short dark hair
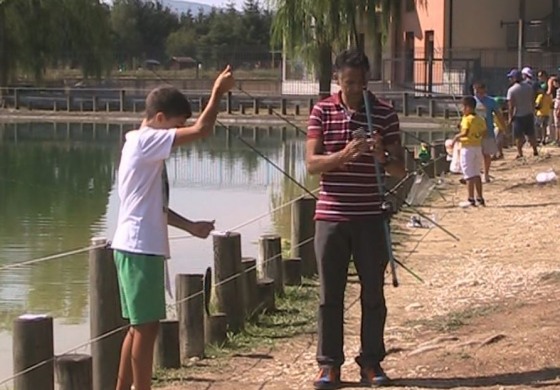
[469,101]
[479,85]
[542,73]
[351,58]
[169,101]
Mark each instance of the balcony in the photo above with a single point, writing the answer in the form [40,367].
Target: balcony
[538,35]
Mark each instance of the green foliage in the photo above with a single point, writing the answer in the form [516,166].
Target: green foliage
[90,35]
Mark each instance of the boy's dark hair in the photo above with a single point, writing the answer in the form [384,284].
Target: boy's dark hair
[169,101]
[351,58]
[469,101]
[479,85]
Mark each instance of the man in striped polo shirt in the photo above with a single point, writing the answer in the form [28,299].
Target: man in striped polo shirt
[349,215]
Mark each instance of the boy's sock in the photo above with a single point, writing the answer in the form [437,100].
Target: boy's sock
[472,201]
[481,201]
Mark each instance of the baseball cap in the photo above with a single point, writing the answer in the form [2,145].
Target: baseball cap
[527,71]
[514,74]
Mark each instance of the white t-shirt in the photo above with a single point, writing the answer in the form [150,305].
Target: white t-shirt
[143,192]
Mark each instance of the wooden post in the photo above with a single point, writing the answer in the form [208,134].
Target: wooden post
[122,100]
[283,134]
[241,108]
[409,161]
[94,103]
[227,266]
[105,315]
[33,344]
[229,107]
[270,260]
[190,311]
[303,230]
[270,110]
[284,106]
[419,111]
[292,272]
[310,105]
[167,352]
[446,113]
[69,101]
[74,372]
[405,104]
[249,267]
[297,112]
[16,99]
[215,329]
[256,106]
[432,108]
[266,295]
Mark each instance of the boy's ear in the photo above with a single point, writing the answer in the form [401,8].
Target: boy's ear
[160,117]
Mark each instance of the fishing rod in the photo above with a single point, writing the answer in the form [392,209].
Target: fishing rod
[293,180]
[381,186]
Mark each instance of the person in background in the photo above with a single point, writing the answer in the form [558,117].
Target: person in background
[528,76]
[521,111]
[487,108]
[543,106]
[556,111]
[473,129]
[543,79]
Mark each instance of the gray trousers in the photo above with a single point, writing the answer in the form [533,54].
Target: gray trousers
[335,244]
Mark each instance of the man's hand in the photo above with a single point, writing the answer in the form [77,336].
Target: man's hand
[224,82]
[376,146]
[201,229]
[353,150]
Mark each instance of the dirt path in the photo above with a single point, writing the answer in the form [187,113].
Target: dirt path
[488,317]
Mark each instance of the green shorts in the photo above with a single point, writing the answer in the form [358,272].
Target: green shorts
[142,286]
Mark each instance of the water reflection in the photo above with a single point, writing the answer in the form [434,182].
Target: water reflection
[57,191]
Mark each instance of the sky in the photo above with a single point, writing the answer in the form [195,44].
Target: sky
[220,3]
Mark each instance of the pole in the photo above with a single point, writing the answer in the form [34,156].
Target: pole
[520,44]
[190,310]
[74,372]
[33,344]
[105,316]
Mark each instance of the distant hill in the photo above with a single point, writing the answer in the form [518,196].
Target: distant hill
[182,7]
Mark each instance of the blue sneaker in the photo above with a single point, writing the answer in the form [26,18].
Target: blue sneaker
[374,376]
[328,379]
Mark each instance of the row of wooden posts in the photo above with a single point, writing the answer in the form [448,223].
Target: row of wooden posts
[244,287]
[406,103]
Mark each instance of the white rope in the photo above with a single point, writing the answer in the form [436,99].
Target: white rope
[117,330]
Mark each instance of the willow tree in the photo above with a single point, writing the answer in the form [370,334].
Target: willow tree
[315,29]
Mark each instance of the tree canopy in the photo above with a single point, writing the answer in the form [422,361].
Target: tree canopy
[96,37]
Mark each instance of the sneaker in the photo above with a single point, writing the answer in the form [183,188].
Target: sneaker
[486,179]
[467,203]
[481,202]
[328,379]
[374,376]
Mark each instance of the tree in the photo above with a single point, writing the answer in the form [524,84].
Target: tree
[314,29]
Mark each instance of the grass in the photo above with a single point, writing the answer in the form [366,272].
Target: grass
[454,320]
[295,315]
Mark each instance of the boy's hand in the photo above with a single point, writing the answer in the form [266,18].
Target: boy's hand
[224,82]
[201,229]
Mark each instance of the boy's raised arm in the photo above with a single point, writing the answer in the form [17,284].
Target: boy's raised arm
[206,121]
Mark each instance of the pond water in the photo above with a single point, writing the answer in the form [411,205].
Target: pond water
[57,191]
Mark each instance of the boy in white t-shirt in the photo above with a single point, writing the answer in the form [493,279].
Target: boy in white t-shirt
[141,242]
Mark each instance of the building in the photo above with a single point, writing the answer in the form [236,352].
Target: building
[443,45]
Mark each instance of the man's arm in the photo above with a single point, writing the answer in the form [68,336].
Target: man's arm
[206,121]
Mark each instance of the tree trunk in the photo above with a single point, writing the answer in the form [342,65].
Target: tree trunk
[377,59]
[325,70]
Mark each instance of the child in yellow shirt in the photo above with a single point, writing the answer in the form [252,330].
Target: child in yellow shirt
[473,130]
[543,106]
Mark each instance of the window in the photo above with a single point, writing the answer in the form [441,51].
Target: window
[410,5]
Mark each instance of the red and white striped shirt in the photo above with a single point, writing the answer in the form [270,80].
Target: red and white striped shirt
[350,192]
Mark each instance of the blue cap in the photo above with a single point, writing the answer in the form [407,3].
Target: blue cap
[514,74]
